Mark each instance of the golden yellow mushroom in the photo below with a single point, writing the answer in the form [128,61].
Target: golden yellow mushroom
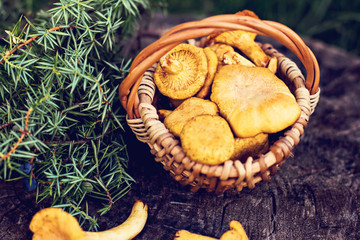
[227,55]
[190,108]
[163,113]
[231,235]
[244,42]
[181,72]
[55,224]
[243,13]
[212,62]
[249,14]
[253,100]
[236,232]
[251,146]
[235,225]
[207,139]
[186,235]
[272,65]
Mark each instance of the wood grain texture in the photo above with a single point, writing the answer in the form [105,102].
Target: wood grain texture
[314,195]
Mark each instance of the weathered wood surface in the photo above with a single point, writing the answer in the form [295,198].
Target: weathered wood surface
[314,195]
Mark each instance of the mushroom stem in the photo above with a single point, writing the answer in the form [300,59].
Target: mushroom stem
[231,235]
[235,225]
[236,232]
[171,65]
[186,235]
[128,229]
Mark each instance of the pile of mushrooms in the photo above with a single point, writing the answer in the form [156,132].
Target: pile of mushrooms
[53,223]
[225,98]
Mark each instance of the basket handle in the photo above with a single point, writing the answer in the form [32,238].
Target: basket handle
[208,26]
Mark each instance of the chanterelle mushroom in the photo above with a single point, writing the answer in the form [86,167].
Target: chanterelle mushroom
[251,146]
[181,72]
[244,41]
[227,55]
[163,113]
[212,62]
[236,232]
[207,139]
[55,224]
[253,100]
[272,65]
[190,108]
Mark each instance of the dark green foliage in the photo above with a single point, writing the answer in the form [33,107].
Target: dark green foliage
[59,108]
[11,10]
[334,22]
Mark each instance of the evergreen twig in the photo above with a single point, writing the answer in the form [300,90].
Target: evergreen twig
[25,43]
[23,134]
[59,112]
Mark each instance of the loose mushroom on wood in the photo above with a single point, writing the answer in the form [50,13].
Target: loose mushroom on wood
[236,232]
[55,224]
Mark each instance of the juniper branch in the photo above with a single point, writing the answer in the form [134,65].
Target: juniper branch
[58,103]
[25,43]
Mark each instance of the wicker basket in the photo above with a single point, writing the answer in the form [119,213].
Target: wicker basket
[138,89]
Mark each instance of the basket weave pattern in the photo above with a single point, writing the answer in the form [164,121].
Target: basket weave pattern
[138,90]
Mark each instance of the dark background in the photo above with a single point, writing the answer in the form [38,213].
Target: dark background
[334,22]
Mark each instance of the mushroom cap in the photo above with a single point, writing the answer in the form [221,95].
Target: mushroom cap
[242,13]
[163,113]
[207,139]
[251,146]
[272,65]
[244,41]
[54,223]
[226,55]
[190,108]
[212,62]
[181,72]
[253,100]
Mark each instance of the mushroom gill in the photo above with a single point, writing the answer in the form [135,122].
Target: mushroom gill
[181,72]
